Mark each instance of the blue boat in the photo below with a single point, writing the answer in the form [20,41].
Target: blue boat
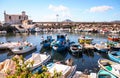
[46,43]
[61,44]
[75,48]
[104,74]
[114,56]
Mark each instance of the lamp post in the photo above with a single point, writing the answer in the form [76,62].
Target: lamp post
[57,17]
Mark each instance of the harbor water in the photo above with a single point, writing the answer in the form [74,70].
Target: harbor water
[87,61]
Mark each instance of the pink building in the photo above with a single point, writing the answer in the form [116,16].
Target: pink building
[16,19]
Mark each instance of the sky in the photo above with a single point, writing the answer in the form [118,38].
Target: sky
[60,10]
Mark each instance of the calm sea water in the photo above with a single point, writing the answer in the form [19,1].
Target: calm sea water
[85,61]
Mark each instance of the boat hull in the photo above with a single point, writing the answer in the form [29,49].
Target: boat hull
[24,50]
[88,41]
[104,74]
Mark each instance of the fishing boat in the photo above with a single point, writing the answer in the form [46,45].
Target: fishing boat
[67,71]
[105,74]
[116,47]
[38,59]
[23,49]
[46,43]
[85,39]
[102,47]
[110,66]
[8,45]
[11,45]
[114,38]
[61,44]
[114,56]
[75,48]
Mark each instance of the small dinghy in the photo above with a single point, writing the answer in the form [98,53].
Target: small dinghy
[38,59]
[23,49]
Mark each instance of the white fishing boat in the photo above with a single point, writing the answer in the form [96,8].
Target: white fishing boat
[23,49]
[9,64]
[8,45]
[67,71]
[102,47]
[38,59]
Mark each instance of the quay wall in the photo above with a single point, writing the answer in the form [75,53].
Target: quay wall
[77,24]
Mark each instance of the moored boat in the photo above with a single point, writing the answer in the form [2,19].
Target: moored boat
[105,74]
[85,39]
[23,49]
[46,43]
[67,71]
[38,59]
[102,47]
[75,48]
[10,64]
[79,74]
[61,44]
[114,38]
[8,45]
[109,66]
[114,56]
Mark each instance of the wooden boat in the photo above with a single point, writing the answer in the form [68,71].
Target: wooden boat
[59,48]
[109,66]
[84,39]
[46,43]
[23,49]
[38,59]
[105,74]
[61,44]
[67,71]
[114,56]
[75,48]
[114,38]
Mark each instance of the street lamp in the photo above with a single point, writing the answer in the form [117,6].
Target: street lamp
[57,17]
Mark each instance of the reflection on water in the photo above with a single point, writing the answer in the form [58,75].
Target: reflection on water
[87,60]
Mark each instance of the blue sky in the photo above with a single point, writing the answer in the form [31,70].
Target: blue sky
[76,10]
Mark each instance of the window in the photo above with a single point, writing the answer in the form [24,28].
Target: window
[9,17]
[19,17]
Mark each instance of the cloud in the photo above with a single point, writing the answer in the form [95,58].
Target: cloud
[57,8]
[62,11]
[100,8]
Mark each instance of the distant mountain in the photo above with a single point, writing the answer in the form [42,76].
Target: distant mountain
[67,20]
[117,21]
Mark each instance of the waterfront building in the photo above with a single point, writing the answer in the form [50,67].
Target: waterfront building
[17,18]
